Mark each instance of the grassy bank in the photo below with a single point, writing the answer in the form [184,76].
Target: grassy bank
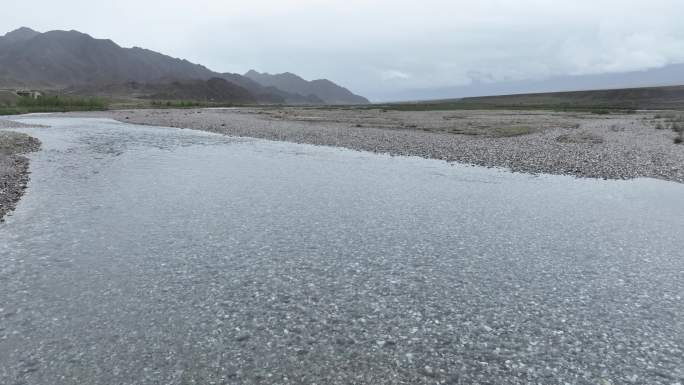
[139,103]
[27,105]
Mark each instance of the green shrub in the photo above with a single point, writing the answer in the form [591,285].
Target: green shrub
[11,111]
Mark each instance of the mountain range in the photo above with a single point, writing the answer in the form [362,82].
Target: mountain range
[323,88]
[84,65]
[668,75]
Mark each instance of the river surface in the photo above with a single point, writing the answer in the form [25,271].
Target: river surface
[144,255]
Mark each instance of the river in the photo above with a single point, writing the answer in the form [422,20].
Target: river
[146,255]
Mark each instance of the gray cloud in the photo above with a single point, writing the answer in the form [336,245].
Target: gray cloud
[378,48]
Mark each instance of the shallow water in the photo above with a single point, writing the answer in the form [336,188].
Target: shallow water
[158,255]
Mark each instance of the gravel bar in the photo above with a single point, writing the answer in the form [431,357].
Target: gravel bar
[614,146]
[14,168]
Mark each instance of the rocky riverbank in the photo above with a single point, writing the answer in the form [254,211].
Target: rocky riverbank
[14,168]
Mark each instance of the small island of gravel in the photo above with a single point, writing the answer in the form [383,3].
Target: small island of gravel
[14,168]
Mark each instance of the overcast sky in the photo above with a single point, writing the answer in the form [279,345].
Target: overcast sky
[377,48]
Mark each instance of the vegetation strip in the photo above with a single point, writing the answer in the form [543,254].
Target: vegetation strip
[55,103]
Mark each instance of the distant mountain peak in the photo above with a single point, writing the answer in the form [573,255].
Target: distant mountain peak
[23,30]
[70,33]
[20,34]
[290,74]
[325,89]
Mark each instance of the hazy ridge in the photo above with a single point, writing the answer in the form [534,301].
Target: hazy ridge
[75,60]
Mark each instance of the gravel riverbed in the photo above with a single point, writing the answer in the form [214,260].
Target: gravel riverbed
[615,146]
[14,168]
